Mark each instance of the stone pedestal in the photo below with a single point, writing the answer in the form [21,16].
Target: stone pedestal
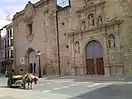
[107,70]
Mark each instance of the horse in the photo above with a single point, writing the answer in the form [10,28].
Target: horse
[29,79]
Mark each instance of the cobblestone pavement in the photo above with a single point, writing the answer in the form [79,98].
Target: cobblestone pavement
[54,89]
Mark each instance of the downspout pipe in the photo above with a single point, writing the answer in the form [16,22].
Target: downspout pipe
[58,43]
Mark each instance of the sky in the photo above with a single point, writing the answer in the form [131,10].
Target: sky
[9,7]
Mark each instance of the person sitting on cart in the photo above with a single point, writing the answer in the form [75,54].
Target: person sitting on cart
[7,73]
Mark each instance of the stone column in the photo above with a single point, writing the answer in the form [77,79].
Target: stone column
[106,53]
[120,68]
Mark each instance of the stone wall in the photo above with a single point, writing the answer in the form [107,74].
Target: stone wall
[43,36]
[112,28]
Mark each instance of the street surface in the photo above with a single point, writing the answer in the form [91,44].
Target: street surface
[109,92]
[68,89]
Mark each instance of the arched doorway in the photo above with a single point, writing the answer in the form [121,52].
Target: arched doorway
[31,60]
[94,58]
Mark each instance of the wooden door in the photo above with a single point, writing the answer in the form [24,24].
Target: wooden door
[100,66]
[90,66]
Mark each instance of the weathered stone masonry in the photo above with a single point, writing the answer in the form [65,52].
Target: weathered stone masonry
[104,23]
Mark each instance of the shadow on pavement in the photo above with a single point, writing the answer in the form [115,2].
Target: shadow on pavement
[4,87]
[109,92]
[8,87]
[14,87]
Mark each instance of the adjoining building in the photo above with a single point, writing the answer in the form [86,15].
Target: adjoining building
[86,37]
[6,49]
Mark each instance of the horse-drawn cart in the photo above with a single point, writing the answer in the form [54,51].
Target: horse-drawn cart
[14,80]
[21,80]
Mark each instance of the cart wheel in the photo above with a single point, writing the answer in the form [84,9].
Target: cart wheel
[9,83]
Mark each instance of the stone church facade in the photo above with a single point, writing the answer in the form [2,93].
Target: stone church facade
[87,37]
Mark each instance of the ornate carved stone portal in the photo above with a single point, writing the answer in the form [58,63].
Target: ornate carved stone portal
[91,15]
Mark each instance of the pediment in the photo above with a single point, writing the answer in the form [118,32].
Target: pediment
[29,11]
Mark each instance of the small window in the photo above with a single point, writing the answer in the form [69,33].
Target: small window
[63,23]
[8,43]
[10,33]
[67,46]
[8,54]
[11,42]
[5,55]
[5,43]
[65,34]
[11,53]
[30,28]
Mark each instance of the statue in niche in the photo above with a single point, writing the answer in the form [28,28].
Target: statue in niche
[77,47]
[83,25]
[111,41]
[91,19]
[99,20]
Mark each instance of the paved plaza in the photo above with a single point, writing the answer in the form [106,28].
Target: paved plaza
[60,88]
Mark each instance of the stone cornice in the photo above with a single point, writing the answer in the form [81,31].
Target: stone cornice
[18,14]
[89,7]
[108,24]
[42,2]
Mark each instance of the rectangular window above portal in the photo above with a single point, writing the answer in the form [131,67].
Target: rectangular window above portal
[30,28]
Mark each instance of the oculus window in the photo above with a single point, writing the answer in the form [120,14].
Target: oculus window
[63,3]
